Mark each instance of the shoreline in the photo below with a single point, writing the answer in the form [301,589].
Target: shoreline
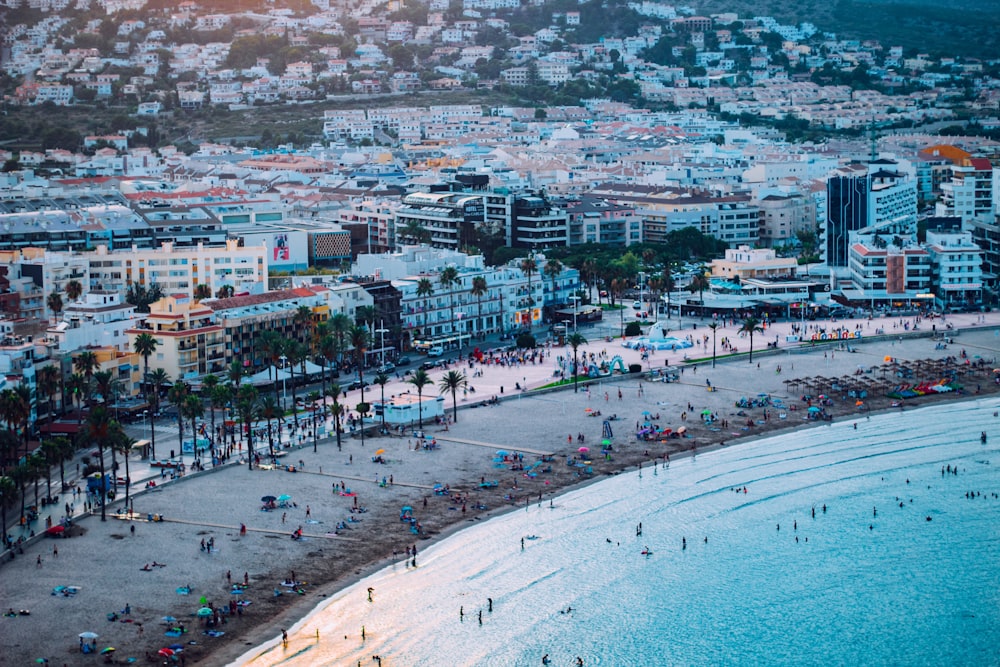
[336,563]
[300,613]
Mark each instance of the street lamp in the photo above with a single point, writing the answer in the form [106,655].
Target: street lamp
[284,388]
[382,332]
[575,299]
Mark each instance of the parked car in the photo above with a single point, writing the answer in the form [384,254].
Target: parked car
[387,367]
[357,384]
[403,361]
[429,364]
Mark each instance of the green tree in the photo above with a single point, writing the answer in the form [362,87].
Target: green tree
[55,303]
[452,382]
[575,340]
[420,379]
[425,289]
[750,326]
[480,288]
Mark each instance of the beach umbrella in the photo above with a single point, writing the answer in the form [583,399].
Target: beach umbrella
[165,652]
[646,413]
[706,411]
[55,530]
[205,611]
[284,497]
[109,649]
[584,449]
[268,499]
[379,451]
[169,619]
[43,661]
[605,442]
[501,452]
[88,635]
[176,647]
[203,600]
[814,409]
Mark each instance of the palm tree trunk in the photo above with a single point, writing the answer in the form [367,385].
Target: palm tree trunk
[295,405]
[104,481]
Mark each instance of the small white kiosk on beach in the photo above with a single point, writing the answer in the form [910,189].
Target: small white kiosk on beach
[404,409]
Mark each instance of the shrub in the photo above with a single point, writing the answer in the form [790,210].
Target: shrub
[633,329]
[525,340]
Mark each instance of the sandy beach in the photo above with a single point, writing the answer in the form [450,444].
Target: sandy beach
[107,560]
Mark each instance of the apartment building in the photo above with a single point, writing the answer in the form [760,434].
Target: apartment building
[957,269]
[181,270]
[190,343]
[101,317]
[446,218]
[970,192]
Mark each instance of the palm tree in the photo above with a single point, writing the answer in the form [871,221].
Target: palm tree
[248,406]
[552,269]
[750,326]
[78,385]
[480,288]
[668,287]
[21,475]
[104,384]
[425,289]
[700,283]
[381,379]
[304,323]
[99,431]
[202,291]
[177,394]
[575,340]
[225,292]
[8,496]
[269,410]
[333,391]
[64,450]
[73,290]
[272,345]
[529,266]
[420,380]
[157,379]
[617,291]
[360,339]
[340,324]
[145,345]
[448,280]
[588,272]
[194,410]
[15,409]
[52,454]
[219,397]
[85,363]
[122,443]
[313,397]
[296,354]
[453,381]
[55,303]
[713,326]
[234,375]
[209,384]
[47,385]
[327,347]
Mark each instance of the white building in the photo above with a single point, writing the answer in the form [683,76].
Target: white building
[100,318]
[957,268]
[180,270]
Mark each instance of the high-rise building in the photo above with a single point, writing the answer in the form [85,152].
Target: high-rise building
[867,200]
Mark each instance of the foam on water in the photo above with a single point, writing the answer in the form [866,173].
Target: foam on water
[891,589]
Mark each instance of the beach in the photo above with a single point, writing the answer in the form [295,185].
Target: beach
[107,562]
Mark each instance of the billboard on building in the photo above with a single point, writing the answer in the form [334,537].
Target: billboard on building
[280,248]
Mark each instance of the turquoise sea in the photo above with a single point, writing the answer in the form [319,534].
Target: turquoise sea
[902,567]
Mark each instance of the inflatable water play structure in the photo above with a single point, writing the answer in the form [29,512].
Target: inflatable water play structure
[656,338]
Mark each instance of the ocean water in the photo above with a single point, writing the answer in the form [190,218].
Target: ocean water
[902,568]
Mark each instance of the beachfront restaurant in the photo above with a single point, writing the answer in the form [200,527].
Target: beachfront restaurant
[404,409]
